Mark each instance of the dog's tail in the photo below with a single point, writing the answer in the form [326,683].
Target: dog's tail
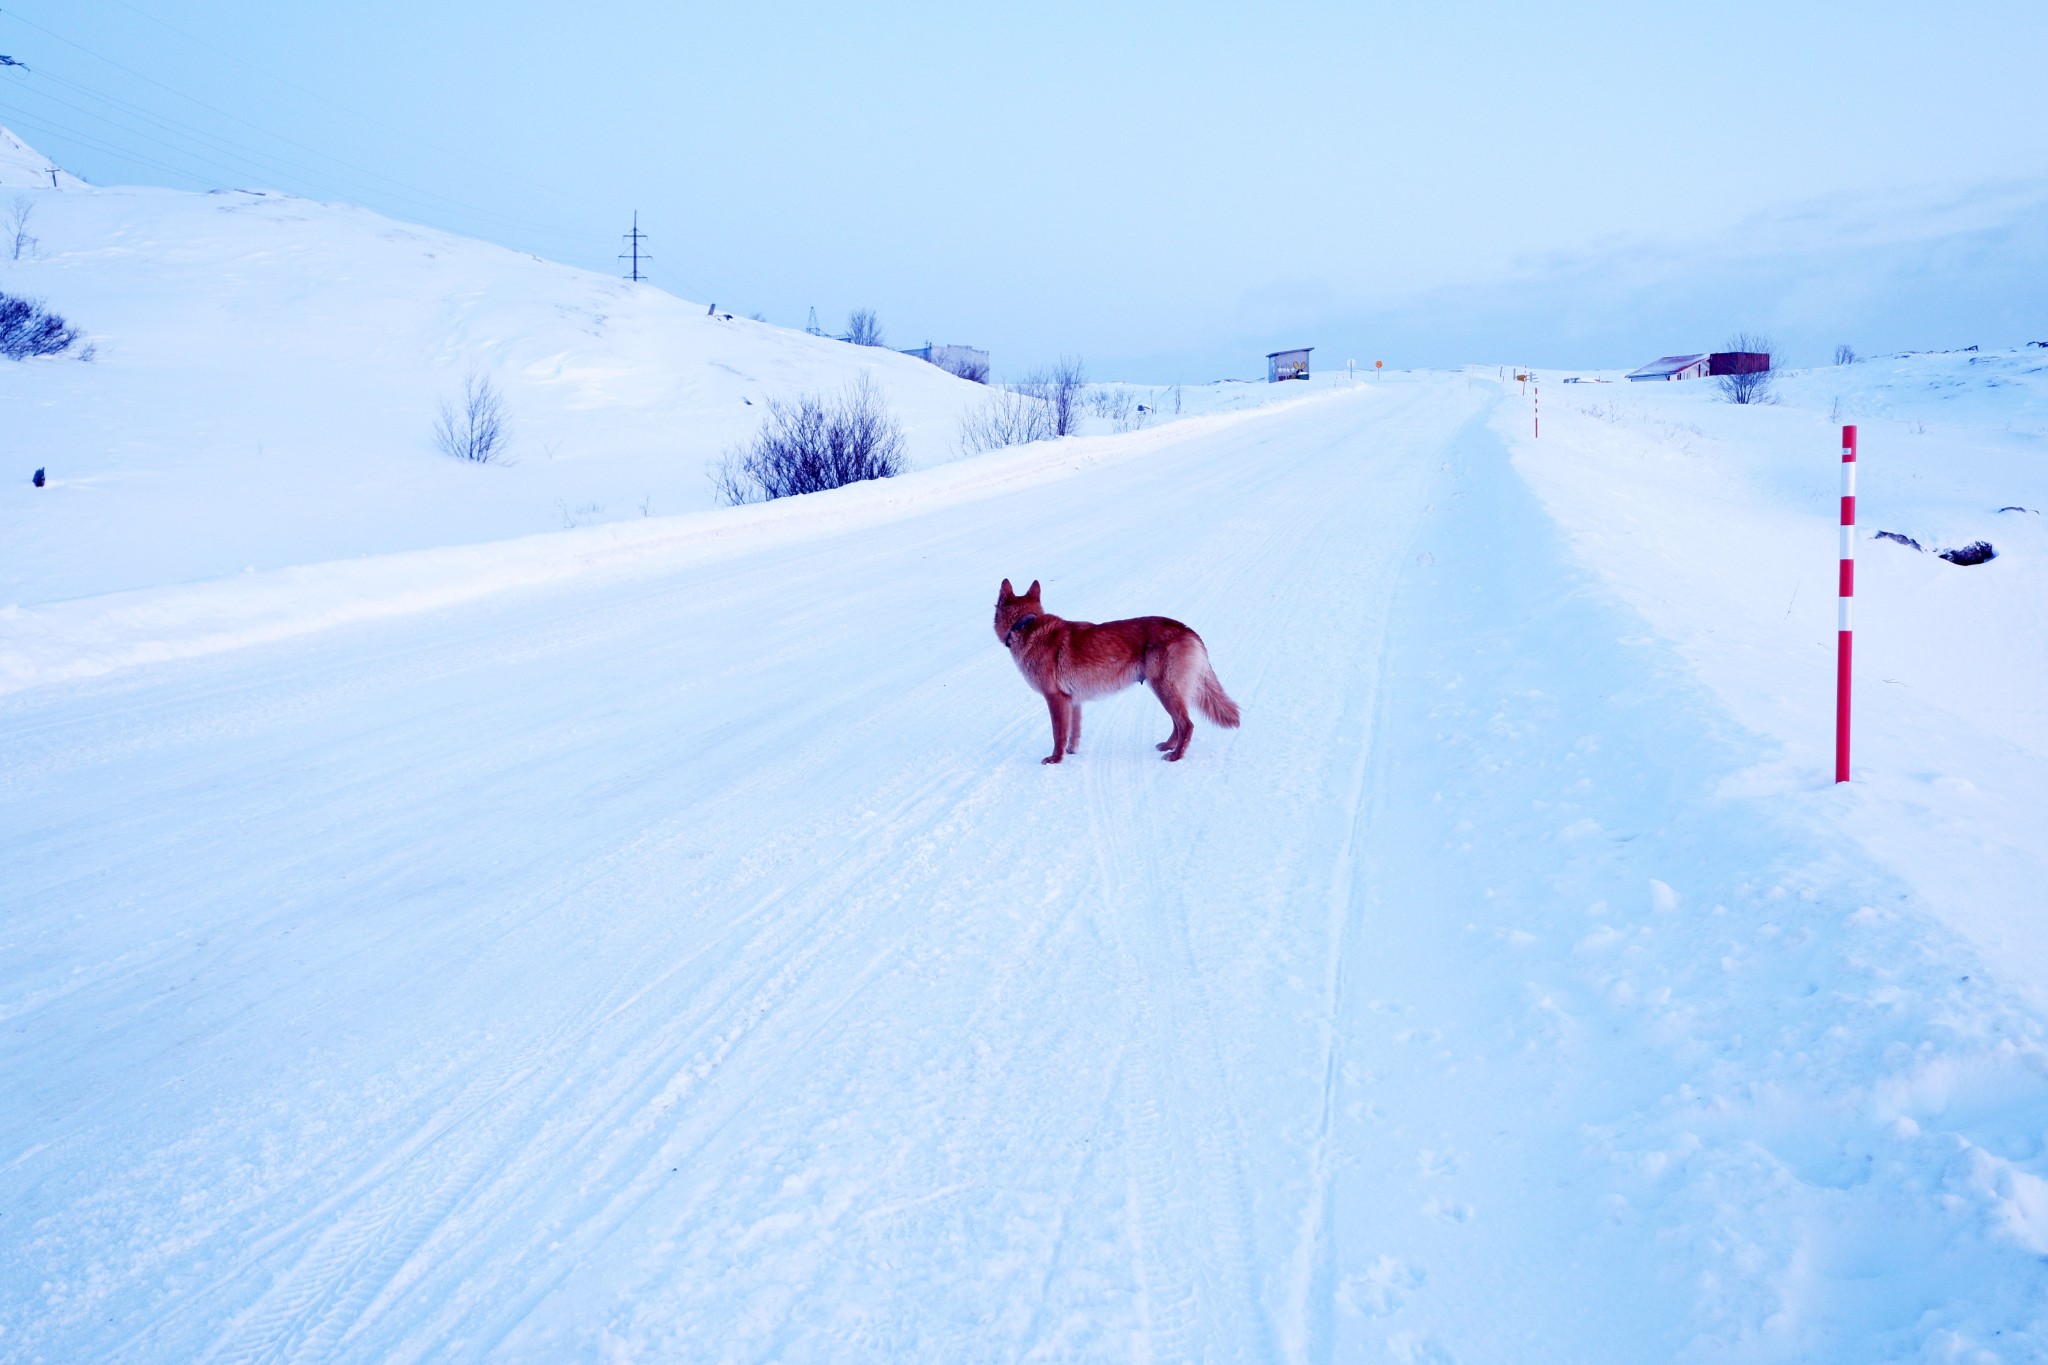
[1213,701]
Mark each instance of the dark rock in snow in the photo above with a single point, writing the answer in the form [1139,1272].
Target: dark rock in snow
[38,479]
[1976,552]
[1903,540]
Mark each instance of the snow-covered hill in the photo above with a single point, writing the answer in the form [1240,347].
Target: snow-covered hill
[23,167]
[265,372]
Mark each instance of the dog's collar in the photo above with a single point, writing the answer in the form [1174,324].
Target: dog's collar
[1018,627]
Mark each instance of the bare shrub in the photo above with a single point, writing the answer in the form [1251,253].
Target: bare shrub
[1119,406]
[1845,355]
[14,229]
[29,329]
[863,328]
[1757,386]
[812,443]
[478,428]
[970,369]
[1061,389]
[1010,417]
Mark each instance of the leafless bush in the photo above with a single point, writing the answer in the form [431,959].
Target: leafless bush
[975,370]
[15,230]
[1061,389]
[1757,386]
[1010,417]
[1123,411]
[29,329]
[1845,355]
[863,328]
[811,443]
[478,428]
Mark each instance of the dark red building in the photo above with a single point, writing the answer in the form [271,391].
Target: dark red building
[1738,362]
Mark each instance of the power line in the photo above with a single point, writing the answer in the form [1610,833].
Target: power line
[211,147]
[226,155]
[409,134]
[36,124]
[473,210]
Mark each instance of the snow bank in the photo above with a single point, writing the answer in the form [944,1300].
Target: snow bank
[1717,523]
[91,636]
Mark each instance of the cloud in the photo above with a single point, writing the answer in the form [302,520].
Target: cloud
[1881,273]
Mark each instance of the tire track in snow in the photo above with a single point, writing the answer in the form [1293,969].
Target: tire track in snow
[387,1219]
[1187,1193]
[1312,1265]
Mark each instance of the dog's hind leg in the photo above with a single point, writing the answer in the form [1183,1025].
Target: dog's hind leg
[1176,706]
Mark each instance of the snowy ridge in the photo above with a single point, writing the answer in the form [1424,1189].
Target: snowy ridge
[91,636]
[23,167]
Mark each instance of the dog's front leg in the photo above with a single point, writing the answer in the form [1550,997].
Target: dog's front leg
[1073,726]
[1057,703]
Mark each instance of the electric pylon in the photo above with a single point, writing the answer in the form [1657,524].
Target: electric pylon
[635,254]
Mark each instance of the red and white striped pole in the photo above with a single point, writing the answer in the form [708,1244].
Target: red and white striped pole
[1536,412]
[1843,631]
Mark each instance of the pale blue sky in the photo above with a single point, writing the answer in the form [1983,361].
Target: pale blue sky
[1166,190]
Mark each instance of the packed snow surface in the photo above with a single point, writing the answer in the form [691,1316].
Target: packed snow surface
[669,946]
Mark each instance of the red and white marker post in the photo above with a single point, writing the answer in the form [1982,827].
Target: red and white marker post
[1843,631]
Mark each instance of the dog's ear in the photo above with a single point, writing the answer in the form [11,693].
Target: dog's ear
[1007,593]
[1032,591]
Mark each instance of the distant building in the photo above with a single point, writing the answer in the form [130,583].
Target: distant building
[1672,367]
[1739,362]
[964,361]
[1287,365]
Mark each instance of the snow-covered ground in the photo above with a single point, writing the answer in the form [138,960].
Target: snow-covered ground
[266,372]
[658,939]
[1715,523]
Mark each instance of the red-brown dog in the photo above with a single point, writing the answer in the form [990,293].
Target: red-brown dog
[1070,662]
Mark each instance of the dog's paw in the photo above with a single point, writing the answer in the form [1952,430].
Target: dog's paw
[1051,758]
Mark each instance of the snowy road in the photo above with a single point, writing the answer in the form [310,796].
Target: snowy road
[699,964]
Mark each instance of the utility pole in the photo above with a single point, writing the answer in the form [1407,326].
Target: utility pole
[635,255]
[812,326]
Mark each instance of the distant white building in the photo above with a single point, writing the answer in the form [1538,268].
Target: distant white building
[1287,364]
[1672,367]
[965,361]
